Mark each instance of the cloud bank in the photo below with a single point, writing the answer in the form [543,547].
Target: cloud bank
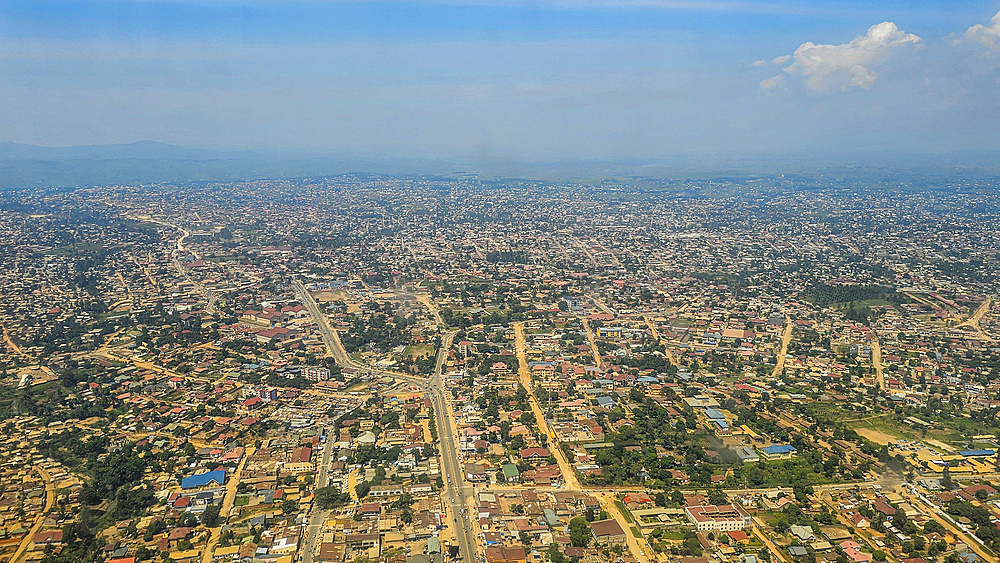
[986,34]
[853,60]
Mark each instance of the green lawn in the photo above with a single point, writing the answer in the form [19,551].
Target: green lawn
[624,510]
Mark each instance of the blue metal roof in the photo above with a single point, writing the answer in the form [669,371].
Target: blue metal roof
[976,453]
[714,413]
[217,477]
[778,449]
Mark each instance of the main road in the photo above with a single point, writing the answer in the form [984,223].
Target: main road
[209,295]
[457,491]
[318,515]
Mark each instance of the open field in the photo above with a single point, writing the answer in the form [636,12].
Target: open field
[418,351]
[877,436]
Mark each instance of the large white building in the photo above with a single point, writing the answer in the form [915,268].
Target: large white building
[718,518]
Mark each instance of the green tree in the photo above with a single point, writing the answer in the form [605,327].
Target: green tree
[717,496]
[331,497]
[579,532]
[362,489]
[555,556]
[210,517]
[946,481]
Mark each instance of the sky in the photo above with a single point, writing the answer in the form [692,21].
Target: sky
[525,80]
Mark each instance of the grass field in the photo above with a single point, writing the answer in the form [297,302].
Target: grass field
[418,351]
[885,429]
[624,510]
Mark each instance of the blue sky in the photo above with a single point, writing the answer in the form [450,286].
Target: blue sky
[524,80]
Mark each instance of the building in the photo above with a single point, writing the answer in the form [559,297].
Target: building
[315,373]
[777,451]
[607,532]
[476,473]
[746,454]
[718,518]
[504,554]
[212,478]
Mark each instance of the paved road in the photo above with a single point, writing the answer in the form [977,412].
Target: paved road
[458,491]
[318,516]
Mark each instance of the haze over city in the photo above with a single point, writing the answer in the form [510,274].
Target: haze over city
[526,81]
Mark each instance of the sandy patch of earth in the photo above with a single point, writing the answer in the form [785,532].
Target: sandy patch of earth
[880,438]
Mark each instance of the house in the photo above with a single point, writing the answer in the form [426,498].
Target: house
[186,556]
[534,454]
[215,478]
[386,490]
[230,553]
[510,473]
[504,554]
[852,551]
[637,498]
[275,334]
[798,551]
[370,509]
[884,508]
[48,537]
[607,532]
[804,533]
[738,536]
[860,522]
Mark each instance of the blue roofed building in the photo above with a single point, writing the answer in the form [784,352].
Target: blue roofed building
[777,451]
[605,401]
[212,478]
[715,414]
[977,453]
[721,427]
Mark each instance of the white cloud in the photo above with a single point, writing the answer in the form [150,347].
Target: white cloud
[854,59]
[781,60]
[772,82]
[987,35]
[761,62]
